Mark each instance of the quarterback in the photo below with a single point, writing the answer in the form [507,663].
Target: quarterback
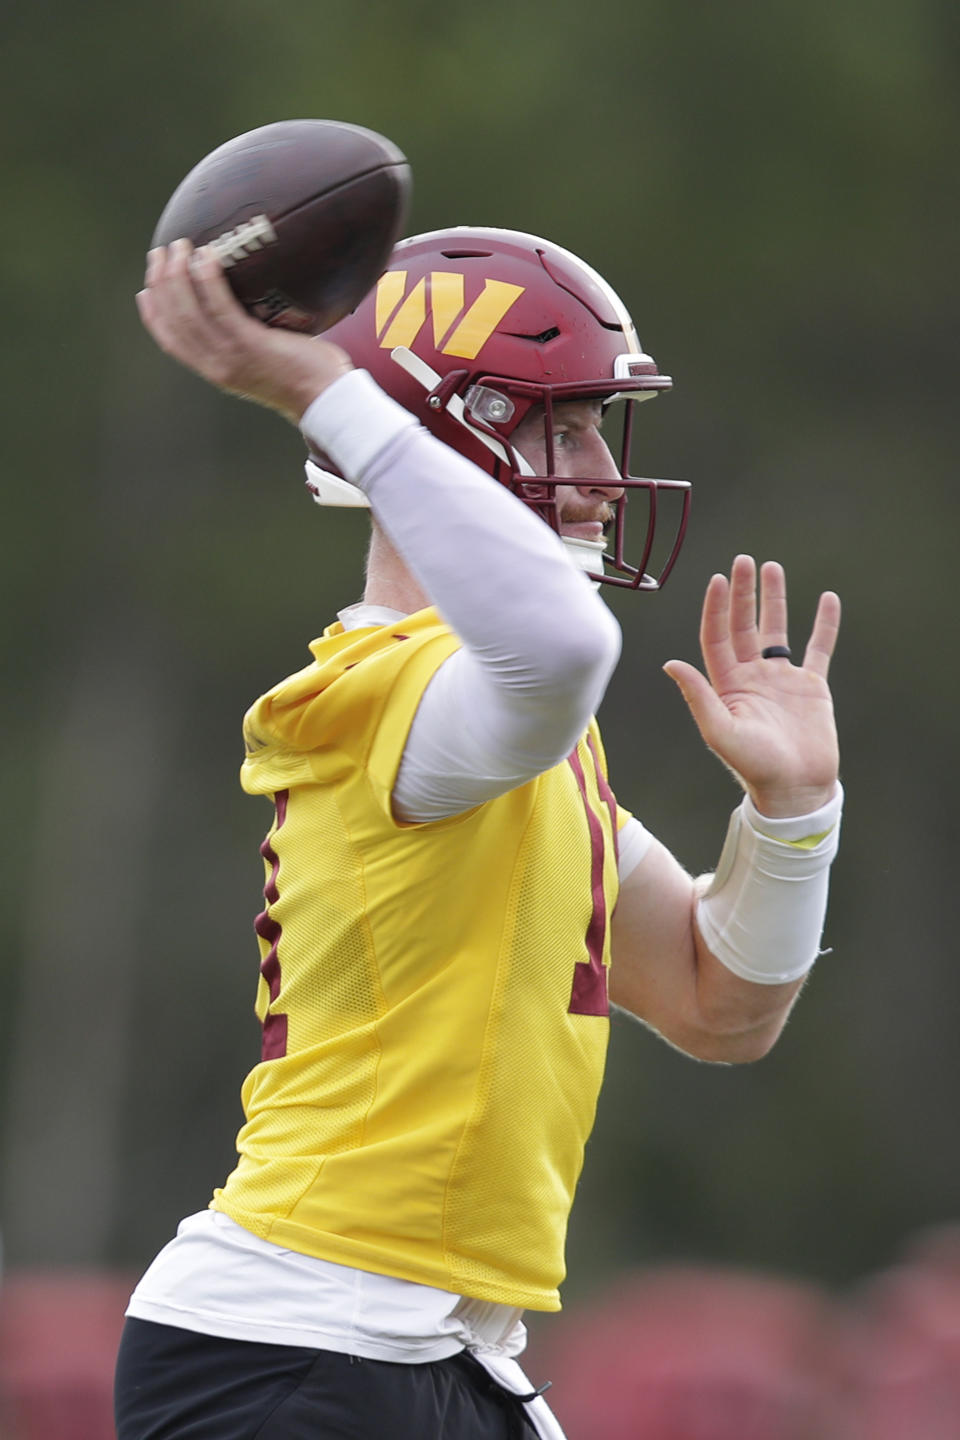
[453,895]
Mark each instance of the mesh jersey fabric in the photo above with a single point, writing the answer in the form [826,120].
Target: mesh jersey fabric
[433,996]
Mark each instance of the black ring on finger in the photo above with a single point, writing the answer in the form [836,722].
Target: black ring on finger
[776,652]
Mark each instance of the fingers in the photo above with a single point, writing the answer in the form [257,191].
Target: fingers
[823,637]
[213,289]
[169,304]
[186,292]
[743,608]
[728,627]
[191,312]
[773,606]
[709,712]
[715,643]
[750,636]
[732,632]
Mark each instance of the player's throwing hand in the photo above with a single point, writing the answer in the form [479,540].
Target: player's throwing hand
[193,315]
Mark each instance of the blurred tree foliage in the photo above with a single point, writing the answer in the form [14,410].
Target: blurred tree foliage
[771,188]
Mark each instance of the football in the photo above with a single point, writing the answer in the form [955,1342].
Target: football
[302,213]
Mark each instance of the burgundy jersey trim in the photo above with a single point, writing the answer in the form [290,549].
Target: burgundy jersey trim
[589,993]
[607,795]
[274,1045]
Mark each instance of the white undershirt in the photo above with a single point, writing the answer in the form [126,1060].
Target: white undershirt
[217,1278]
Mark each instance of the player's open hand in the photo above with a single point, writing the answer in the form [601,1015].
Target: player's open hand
[193,315]
[770,720]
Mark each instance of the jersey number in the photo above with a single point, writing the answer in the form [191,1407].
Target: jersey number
[274,1044]
[589,994]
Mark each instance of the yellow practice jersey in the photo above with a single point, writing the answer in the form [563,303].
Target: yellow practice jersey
[433,997]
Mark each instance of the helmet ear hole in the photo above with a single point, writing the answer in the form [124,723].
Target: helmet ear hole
[533,490]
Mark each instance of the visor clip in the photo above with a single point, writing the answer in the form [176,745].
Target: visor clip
[448,386]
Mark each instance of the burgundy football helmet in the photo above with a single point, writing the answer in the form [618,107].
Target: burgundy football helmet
[469,328]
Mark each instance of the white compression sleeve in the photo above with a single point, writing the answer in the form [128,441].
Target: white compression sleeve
[762,913]
[634,841]
[539,645]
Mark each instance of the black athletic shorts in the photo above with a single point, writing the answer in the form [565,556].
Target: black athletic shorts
[175,1384]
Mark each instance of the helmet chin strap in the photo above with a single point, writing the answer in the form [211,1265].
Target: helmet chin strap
[587,555]
[329,489]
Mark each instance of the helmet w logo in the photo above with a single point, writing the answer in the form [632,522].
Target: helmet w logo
[456,330]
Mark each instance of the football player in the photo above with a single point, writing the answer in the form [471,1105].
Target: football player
[453,897]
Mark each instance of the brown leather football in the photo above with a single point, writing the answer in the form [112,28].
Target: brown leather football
[303,214]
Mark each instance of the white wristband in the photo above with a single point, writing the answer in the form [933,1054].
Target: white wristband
[762,913]
[352,421]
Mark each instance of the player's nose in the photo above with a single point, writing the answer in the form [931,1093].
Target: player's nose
[597,469]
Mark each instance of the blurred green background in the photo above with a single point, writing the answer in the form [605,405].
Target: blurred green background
[772,189]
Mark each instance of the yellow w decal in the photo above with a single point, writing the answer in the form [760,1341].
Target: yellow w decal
[455,331]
